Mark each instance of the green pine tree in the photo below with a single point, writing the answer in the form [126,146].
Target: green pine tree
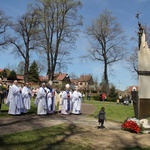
[1,76]
[12,75]
[33,73]
[5,73]
[113,94]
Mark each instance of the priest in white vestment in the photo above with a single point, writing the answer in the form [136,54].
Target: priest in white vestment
[76,101]
[26,96]
[60,101]
[66,101]
[14,99]
[40,100]
[50,98]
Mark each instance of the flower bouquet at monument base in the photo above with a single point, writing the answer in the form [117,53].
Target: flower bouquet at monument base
[132,125]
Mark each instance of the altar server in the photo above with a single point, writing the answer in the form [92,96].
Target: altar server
[76,101]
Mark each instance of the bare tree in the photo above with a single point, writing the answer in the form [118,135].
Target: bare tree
[59,28]
[4,25]
[95,80]
[132,62]
[41,67]
[107,44]
[11,67]
[25,30]
[20,68]
[62,60]
[72,75]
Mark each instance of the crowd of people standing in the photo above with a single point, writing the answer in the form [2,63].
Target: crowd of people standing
[45,98]
[125,100]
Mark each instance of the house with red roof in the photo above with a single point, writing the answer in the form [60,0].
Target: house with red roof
[43,79]
[1,70]
[131,88]
[61,79]
[83,82]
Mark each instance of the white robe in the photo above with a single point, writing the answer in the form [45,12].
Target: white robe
[26,95]
[57,100]
[14,100]
[60,101]
[50,102]
[40,102]
[76,102]
[65,102]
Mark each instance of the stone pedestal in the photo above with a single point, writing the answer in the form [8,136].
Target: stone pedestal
[144,79]
[144,108]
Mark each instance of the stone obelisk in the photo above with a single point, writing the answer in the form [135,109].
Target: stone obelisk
[143,76]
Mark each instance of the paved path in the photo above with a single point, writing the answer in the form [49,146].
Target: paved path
[28,122]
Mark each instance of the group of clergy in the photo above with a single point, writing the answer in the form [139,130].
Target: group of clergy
[18,99]
[69,102]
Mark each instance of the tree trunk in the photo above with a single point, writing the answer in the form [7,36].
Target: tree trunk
[106,79]
[26,70]
[49,68]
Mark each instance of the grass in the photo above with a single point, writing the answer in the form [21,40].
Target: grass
[114,112]
[53,138]
[5,108]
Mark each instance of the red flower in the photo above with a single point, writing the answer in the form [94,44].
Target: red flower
[130,126]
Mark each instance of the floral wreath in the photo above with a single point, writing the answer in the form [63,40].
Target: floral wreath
[132,125]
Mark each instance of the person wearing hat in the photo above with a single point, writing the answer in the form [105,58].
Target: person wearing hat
[76,101]
[66,101]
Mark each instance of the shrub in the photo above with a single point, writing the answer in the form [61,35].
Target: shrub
[96,97]
[110,99]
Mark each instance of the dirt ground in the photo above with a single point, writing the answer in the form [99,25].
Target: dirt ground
[112,137]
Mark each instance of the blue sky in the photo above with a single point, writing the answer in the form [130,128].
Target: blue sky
[123,10]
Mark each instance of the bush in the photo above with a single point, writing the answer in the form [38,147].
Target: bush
[96,97]
[110,99]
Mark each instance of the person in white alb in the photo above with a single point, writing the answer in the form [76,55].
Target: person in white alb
[26,96]
[14,99]
[76,101]
[66,101]
[50,98]
[40,100]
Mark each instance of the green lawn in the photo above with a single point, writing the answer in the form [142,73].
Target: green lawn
[114,112]
[50,138]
